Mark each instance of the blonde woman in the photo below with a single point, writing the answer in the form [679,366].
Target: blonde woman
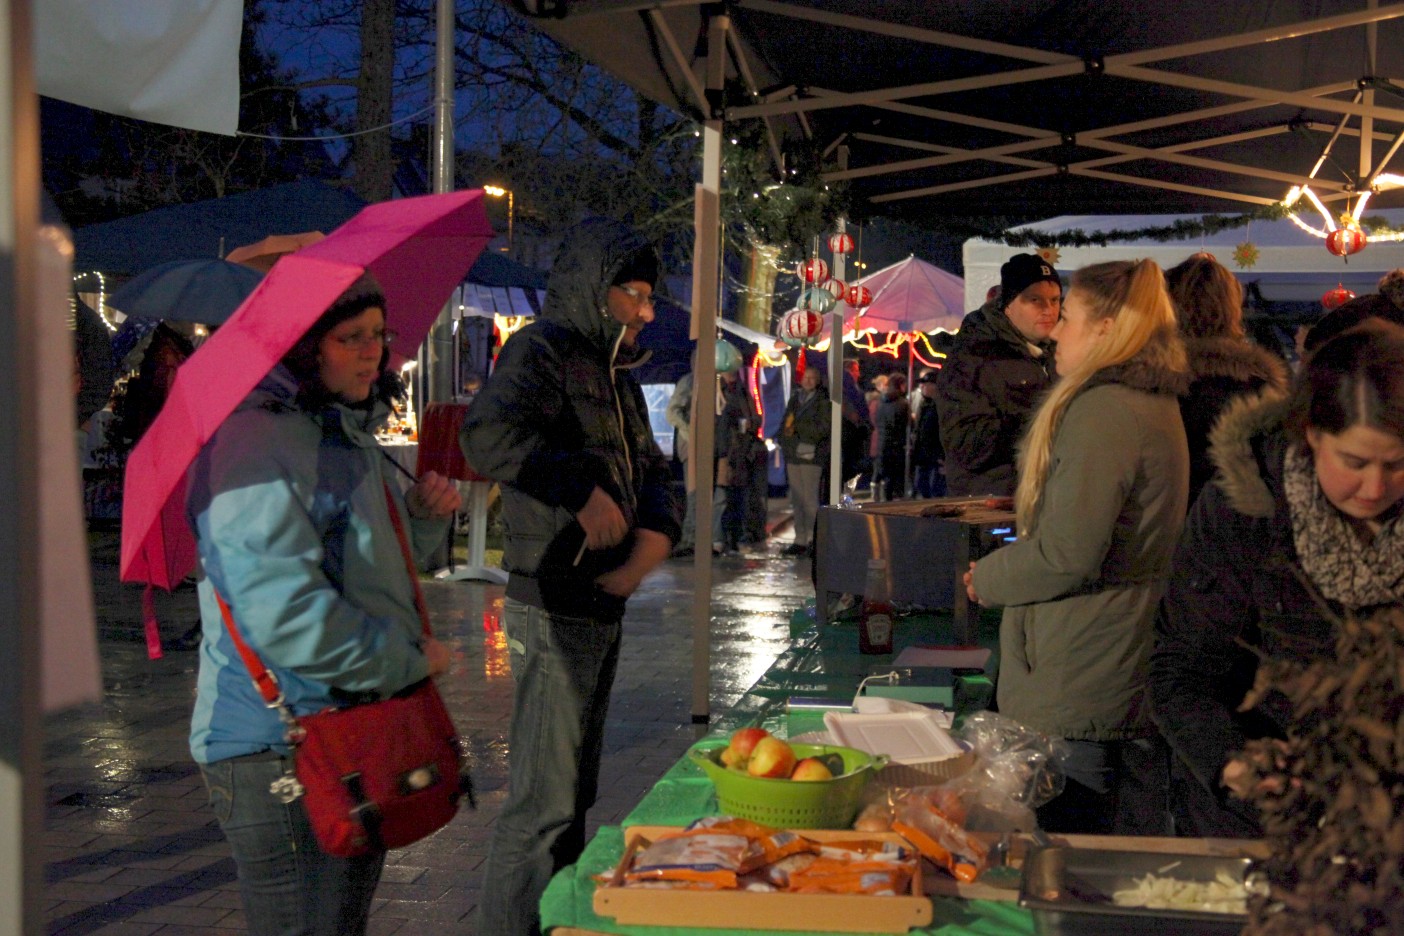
[1103,481]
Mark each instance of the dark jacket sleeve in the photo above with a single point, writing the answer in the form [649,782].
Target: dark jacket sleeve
[513,432]
[1196,668]
[975,431]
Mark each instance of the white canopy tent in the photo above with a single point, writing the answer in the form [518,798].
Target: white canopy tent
[1292,265]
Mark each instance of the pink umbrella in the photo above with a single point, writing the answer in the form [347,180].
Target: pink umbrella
[418,248]
[913,296]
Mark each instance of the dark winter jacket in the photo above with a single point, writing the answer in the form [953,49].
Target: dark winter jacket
[1080,590]
[560,416]
[1235,576]
[926,443]
[894,417]
[804,435]
[990,385]
[736,438]
[1221,370]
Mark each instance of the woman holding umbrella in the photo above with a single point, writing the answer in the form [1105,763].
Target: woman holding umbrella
[297,531]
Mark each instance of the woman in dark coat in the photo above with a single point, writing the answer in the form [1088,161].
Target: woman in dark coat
[894,417]
[1224,364]
[1303,516]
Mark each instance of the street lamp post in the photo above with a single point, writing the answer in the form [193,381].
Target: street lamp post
[497,191]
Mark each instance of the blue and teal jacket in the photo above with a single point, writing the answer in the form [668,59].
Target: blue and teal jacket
[290,514]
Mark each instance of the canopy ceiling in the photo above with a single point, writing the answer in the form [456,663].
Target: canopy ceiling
[1038,107]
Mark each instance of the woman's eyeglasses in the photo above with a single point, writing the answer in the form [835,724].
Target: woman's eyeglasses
[359,342]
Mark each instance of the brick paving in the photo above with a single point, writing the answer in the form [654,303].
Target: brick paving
[131,848]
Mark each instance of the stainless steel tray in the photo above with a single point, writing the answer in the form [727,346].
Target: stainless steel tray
[1069,891]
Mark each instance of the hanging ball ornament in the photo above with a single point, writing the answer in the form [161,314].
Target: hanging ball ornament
[814,271]
[728,358]
[840,243]
[1345,241]
[817,299]
[836,288]
[859,297]
[1336,297]
[800,326]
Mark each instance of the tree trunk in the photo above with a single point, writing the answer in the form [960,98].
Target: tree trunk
[373,159]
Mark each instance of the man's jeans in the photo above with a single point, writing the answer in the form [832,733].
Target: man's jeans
[289,885]
[564,670]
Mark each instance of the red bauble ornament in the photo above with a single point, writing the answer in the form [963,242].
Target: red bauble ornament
[859,297]
[814,271]
[1336,297]
[840,243]
[1345,241]
[836,288]
[801,325]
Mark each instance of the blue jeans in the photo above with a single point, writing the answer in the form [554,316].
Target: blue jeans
[564,669]
[290,887]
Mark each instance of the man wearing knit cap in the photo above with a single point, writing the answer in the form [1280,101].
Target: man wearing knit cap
[588,503]
[1000,364]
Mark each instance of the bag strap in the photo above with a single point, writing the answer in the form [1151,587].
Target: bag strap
[265,681]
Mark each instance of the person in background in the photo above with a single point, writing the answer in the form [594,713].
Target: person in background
[1301,526]
[1103,480]
[999,367]
[927,477]
[804,438]
[1224,364]
[741,457]
[296,524]
[877,391]
[590,509]
[894,419]
[679,416]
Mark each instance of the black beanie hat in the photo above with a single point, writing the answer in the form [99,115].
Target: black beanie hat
[640,266]
[1020,272]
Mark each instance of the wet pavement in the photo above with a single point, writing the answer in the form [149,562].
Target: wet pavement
[132,849]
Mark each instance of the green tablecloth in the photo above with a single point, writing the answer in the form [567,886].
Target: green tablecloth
[822,662]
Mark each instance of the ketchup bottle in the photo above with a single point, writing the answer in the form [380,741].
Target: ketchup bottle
[875,620]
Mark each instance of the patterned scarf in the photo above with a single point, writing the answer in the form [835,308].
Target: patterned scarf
[1345,567]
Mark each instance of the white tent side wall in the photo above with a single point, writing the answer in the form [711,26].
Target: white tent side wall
[1292,265]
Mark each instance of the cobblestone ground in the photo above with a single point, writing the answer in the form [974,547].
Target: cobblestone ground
[132,849]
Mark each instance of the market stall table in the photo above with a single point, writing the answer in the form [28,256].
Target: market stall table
[928,545]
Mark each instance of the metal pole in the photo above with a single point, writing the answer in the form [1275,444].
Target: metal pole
[437,354]
[836,477]
[21,729]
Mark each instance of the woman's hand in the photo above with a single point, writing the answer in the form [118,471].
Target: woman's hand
[433,497]
[438,655]
[969,579]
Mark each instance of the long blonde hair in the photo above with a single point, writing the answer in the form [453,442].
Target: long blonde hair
[1131,293]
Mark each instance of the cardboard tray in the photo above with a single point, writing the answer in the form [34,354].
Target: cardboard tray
[902,736]
[841,913]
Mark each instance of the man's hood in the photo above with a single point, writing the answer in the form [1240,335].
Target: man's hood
[587,263]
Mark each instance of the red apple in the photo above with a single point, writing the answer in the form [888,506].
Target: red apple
[744,740]
[812,768]
[771,757]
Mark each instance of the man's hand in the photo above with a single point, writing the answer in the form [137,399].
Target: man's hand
[432,497]
[650,548]
[602,521]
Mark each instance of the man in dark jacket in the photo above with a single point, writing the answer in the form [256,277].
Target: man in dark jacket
[999,367]
[589,508]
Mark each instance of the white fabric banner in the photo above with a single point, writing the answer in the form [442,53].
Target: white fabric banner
[172,62]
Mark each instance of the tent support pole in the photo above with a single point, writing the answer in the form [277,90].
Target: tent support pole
[706,275]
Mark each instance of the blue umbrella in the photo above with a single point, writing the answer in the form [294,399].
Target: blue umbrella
[204,291]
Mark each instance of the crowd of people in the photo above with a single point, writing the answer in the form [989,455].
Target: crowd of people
[1185,505]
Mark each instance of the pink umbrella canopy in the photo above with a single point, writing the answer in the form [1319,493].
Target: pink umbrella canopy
[418,248]
[913,296]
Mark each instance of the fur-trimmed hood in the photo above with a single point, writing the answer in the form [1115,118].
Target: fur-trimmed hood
[1236,359]
[1159,367]
[1246,446]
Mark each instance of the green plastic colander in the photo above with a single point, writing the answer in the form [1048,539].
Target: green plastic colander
[792,804]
